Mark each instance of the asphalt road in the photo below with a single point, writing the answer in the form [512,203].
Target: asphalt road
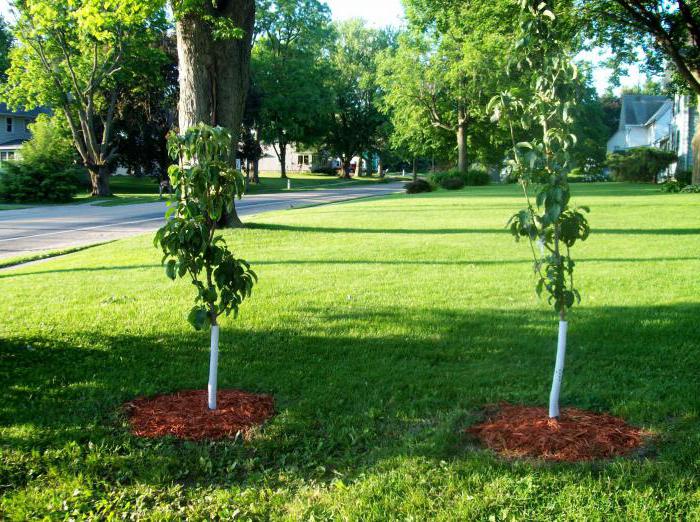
[33,230]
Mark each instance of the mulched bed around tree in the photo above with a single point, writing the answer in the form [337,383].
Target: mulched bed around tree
[578,436]
[185,415]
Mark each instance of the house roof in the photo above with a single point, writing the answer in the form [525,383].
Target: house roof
[5,111]
[12,143]
[640,109]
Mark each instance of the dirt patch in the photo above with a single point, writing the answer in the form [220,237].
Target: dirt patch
[578,436]
[185,415]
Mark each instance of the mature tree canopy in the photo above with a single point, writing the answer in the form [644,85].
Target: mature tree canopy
[6,41]
[81,57]
[290,72]
[357,125]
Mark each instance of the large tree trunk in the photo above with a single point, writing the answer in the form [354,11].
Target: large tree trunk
[358,167]
[214,74]
[462,161]
[380,168]
[283,159]
[696,149]
[415,169]
[346,167]
[99,179]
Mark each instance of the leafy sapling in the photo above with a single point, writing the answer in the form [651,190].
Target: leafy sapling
[549,223]
[206,186]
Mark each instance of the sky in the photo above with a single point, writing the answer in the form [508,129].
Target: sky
[381,13]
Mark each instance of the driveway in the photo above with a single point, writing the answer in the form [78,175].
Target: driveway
[29,231]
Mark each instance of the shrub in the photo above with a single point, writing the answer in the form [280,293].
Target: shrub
[691,189]
[671,186]
[478,178]
[46,171]
[447,180]
[454,183]
[325,171]
[643,164]
[419,186]
[684,177]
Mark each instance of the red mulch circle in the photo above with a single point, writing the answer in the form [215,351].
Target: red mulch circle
[578,436]
[186,415]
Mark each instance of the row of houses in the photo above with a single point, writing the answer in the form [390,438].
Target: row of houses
[657,121]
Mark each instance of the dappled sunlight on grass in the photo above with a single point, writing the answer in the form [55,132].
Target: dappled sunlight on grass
[382,327]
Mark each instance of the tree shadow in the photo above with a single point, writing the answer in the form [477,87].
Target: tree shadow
[347,401]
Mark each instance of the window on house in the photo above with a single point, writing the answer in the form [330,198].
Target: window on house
[9,124]
[303,159]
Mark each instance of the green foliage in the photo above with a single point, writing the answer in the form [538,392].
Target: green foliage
[642,164]
[78,57]
[671,186]
[691,189]
[452,179]
[46,171]
[6,41]
[684,177]
[357,126]
[206,188]
[290,71]
[550,224]
[222,27]
[418,187]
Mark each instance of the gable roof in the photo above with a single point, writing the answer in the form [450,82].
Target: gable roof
[5,111]
[639,109]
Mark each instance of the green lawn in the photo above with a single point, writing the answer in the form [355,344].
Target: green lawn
[381,327]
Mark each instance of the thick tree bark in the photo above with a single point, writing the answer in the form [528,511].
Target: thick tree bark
[696,149]
[214,74]
[99,179]
[462,160]
[415,169]
[283,158]
[358,167]
[346,167]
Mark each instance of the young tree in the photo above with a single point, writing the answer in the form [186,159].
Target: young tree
[80,56]
[290,71]
[549,222]
[668,31]
[357,125]
[206,186]
[214,41]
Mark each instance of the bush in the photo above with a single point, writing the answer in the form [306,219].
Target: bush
[691,189]
[643,164]
[418,187]
[478,178]
[325,171]
[46,171]
[453,183]
[454,180]
[684,177]
[671,186]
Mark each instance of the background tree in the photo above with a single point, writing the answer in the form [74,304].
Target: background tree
[668,32]
[291,73]
[6,42]
[146,113]
[214,41]
[447,67]
[80,57]
[357,126]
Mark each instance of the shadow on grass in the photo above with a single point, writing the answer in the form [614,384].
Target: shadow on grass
[347,399]
[458,231]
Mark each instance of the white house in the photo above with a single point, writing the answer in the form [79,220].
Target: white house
[297,160]
[14,130]
[657,121]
